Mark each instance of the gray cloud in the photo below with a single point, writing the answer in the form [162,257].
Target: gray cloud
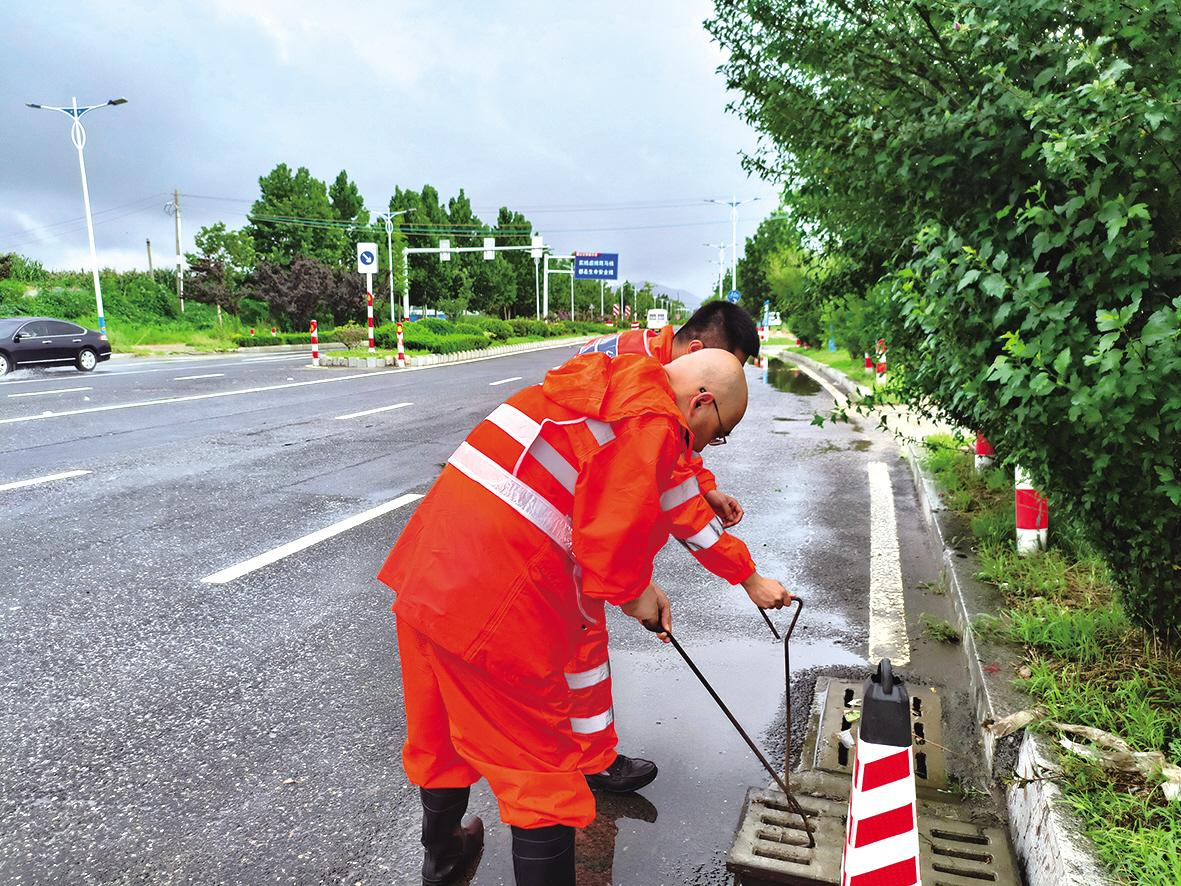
[539,106]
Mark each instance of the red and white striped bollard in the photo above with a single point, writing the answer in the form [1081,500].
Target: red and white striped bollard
[372,347]
[315,346]
[868,364]
[1033,514]
[985,454]
[401,347]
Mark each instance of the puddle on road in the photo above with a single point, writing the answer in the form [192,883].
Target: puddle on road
[787,378]
[679,829]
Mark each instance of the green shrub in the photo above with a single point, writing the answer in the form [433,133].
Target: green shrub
[470,329]
[501,330]
[523,327]
[350,335]
[435,325]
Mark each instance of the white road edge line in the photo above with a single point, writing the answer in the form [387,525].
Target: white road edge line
[190,397]
[372,411]
[887,611]
[35,481]
[292,547]
[54,391]
[504,381]
[203,375]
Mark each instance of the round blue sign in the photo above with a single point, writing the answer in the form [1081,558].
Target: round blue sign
[733,296]
[368,258]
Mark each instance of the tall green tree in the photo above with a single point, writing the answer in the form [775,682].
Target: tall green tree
[1004,180]
[293,217]
[232,248]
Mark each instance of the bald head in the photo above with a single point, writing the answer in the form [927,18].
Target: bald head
[710,388]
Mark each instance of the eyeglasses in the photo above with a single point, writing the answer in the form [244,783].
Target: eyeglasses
[720,439]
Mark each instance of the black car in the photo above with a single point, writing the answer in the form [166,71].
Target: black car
[30,342]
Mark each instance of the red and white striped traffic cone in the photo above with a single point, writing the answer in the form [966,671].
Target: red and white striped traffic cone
[315,346]
[882,837]
[868,364]
[1033,514]
[635,324]
[401,348]
[985,454]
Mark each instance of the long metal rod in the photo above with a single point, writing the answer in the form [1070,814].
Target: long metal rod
[791,800]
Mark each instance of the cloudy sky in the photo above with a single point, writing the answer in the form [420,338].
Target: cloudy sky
[604,122]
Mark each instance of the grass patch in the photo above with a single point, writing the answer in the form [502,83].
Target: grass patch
[939,630]
[840,360]
[1087,664]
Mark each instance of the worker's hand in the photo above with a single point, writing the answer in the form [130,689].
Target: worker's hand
[767,592]
[726,507]
[651,609]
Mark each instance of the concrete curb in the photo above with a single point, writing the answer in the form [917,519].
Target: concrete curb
[1050,843]
[425,361]
[280,349]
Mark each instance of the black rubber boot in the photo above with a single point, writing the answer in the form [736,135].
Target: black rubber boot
[544,856]
[450,847]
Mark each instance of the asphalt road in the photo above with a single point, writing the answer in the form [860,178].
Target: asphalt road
[157,728]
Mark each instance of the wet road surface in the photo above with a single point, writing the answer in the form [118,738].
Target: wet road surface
[161,729]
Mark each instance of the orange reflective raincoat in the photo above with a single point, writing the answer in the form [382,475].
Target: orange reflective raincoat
[556,503]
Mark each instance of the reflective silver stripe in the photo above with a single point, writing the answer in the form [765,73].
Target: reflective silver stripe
[557,466]
[529,504]
[600,430]
[515,423]
[587,679]
[597,723]
[679,494]
[707,537]
[647,338]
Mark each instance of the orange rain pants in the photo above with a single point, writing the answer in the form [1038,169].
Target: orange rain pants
[461,718]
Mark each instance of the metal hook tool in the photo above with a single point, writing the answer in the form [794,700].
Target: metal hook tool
[781,782]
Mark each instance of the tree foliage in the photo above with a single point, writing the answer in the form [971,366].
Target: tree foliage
[998,185]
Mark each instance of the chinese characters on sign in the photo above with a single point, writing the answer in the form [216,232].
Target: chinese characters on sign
[596,265]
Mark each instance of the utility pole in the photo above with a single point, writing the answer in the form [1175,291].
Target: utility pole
[151,270]
[174,209]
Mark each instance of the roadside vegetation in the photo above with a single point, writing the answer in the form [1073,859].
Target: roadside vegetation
[993,189]
[1086,663]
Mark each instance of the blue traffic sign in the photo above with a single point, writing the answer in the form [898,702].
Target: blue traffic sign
[368,258]
[733,296]
[596,266]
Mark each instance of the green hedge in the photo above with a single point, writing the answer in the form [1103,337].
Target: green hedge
[263,338]
[500,330]
[417,337]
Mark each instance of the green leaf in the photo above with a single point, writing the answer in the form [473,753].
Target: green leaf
[968,279]
[1062,361]
[994,285]
[1116,70]
[1043,78]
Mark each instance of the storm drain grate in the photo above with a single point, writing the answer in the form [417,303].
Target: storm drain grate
[841,712]
[771,846]
[959,854]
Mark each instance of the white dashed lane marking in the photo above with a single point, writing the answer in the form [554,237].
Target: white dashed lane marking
[504,381]
[372,411]
[205,375]
[292,547]
[36,481]
[53,391]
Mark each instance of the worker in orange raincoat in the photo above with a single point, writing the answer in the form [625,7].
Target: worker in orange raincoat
[555,504]
[720,325]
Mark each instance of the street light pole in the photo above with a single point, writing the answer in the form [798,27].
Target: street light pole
[721,248]
[78,137]
[389,217]
[733,203]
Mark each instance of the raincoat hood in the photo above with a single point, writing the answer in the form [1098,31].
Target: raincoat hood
[612,389]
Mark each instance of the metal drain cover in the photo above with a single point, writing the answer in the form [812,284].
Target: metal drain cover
[843,697]
[771,846]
